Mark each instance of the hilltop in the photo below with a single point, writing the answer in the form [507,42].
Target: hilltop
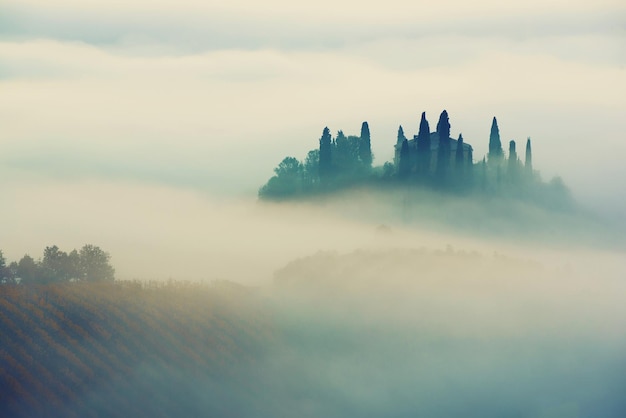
[430,160]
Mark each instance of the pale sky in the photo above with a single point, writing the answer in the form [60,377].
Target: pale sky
[207,97]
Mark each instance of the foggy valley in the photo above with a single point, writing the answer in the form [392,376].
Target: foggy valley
[312,210]
[343,306]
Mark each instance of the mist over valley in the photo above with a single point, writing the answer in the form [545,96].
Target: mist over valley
[312,210]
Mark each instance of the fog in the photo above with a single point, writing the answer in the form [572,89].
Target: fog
[157,232]
[397,303]
[173,94]
[147,128]
[399,320]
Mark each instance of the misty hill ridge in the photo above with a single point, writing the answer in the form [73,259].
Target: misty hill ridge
[401,268]
[429,160]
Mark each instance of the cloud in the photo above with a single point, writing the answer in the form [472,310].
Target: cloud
[95,111]
[196,26]
[171,93]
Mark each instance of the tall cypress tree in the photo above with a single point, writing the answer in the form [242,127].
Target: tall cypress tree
[495,146]
[341,153]
[365,148]
[398,146]
[459,154]
[443,151]
[528,162]
[512,151]
[469,166]
[423,147]
[404,165]
[512,163]
[325,163]
[401,136]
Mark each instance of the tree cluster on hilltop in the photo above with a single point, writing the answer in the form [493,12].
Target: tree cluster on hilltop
[433,160]
[338,162]
[90,264]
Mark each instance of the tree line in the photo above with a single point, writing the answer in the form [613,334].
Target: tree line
[338,162]
[430,159]
[89,264]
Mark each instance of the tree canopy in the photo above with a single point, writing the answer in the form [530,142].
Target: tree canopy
[346,161]
[91,263]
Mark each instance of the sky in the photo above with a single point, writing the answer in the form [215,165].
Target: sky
[107,105]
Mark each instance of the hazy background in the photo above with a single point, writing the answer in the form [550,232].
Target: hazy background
[146,127]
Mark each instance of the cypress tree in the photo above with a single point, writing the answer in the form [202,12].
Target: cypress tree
[528,162]
[469,167]
[459,163]
[423,147]
[398,147]
[512,163]
[443,151]
[459,154]
[495,146]
[325,163]
[401,136]
[404,166]
[341,153]
[365,148]
[512,151]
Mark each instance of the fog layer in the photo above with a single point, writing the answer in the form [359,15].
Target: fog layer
[417,332]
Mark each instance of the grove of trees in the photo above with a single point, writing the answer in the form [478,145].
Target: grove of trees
[430,159]
[338,162]
[89,264]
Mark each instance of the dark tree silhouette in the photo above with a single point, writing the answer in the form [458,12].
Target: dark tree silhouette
[346,161]
[341,152]
[345,155]
[287,181]
[404,166]
[311,169]
[6,276]
[288,167]
[94,263]
[528,162]
[401,136]
[443,151]
[459,161]
[325,158]
[495,154]
[399,140]
[423,147]
[365,147]
[512,162]
[55,265]
[28,271]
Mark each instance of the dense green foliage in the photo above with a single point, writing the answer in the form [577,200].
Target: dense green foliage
[431,160]
[443,150]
